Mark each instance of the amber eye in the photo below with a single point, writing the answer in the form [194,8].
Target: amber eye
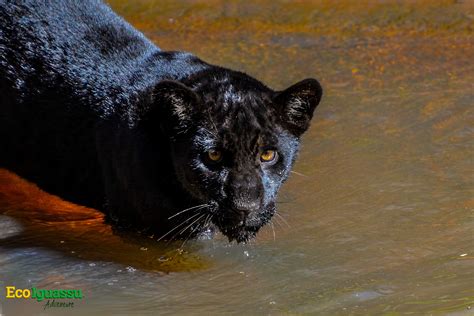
[214,155]
[268,155]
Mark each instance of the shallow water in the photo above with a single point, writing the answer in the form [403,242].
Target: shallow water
[377,218]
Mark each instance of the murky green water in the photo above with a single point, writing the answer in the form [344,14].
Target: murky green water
[377,219]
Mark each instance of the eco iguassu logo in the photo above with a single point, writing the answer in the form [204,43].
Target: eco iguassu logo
[50,295]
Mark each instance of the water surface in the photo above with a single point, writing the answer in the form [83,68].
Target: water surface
[377,218]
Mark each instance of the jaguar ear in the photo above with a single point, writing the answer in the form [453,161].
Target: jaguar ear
[297,103]
[173,106]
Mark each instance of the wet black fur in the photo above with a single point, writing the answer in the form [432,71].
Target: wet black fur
[94,112]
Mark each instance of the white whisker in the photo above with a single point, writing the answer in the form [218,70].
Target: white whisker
[177,226]
[273,229]
[300,174]
[191,232]
[283,219]
[277,221]
[188,209]
[184,229]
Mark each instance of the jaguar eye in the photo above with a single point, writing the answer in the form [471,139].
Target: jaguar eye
[214,155]
[268,155]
